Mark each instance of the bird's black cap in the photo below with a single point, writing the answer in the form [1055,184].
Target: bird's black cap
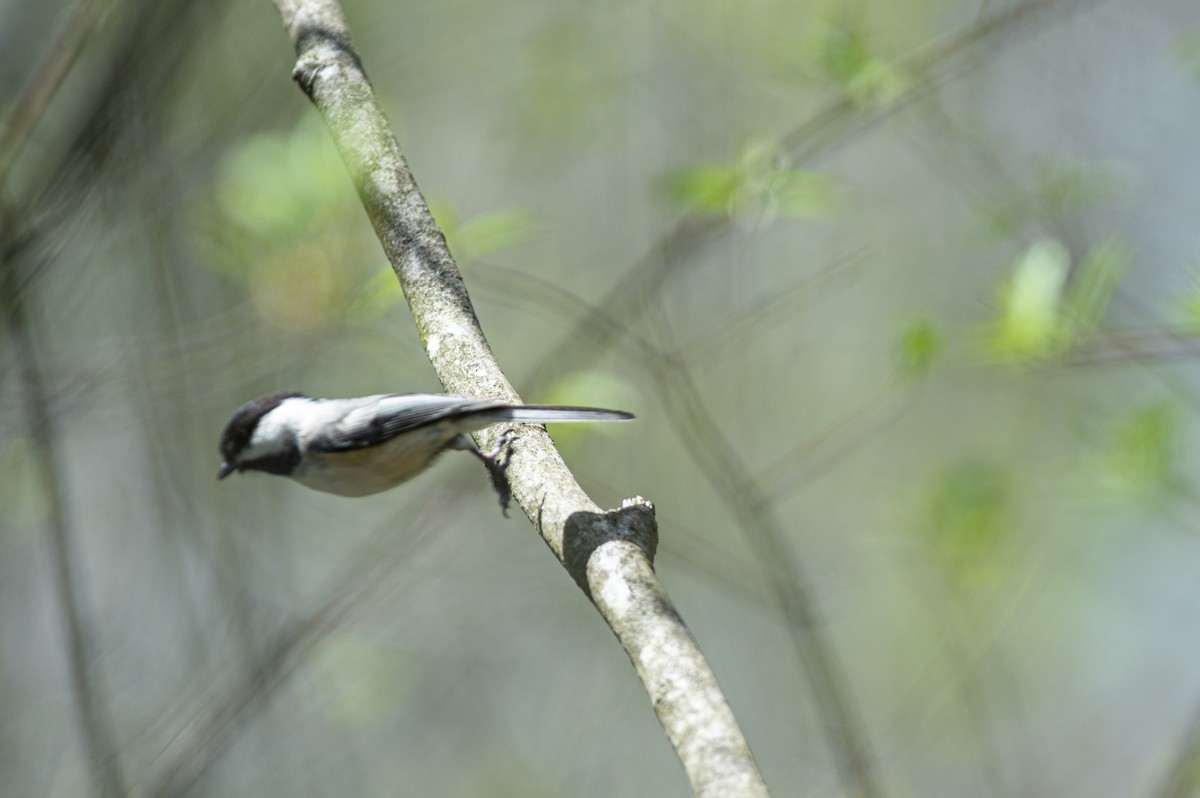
[240,428]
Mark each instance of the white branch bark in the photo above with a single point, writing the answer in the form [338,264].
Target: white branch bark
[609,554]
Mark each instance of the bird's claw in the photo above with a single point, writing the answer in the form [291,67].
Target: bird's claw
[496,461]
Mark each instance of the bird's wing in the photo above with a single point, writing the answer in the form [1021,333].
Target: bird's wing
[383,417]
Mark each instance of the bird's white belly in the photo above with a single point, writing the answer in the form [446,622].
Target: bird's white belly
[362,472]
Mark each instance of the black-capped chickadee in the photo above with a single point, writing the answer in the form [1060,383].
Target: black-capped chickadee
[356,447]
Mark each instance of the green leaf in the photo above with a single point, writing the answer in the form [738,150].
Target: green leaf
[1092,287]
[467,241]
[920,345]
[806,195]
[1142,459]
[1189,306]
[494,232]
[841,52]
[486,234]
[1040,315]
[379,295]
[969,519]
[758,186]
[709,188]
[1029,322]
[877,84]
[867,80]
[276,184]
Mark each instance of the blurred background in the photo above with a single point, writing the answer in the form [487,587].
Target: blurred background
[905,296]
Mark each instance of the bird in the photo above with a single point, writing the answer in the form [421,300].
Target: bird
[368,444]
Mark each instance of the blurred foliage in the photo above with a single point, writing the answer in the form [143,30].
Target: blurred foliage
[186,236]
[1030,325]
[1189,308]
[920,346]
[361,682]
[468,242]
[1059,189]
[380,293]
[756,189]
[1067,186]
[845,58]
[1042,315]
[276,185]
[1142,460]
[593,388]
[1186,52]
[570,79]
[969,521]
[1092,287]
[285,223]
[485,235]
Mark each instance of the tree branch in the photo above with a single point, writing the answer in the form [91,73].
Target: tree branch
[609,554]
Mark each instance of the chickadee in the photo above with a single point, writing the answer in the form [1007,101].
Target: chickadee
[356,447]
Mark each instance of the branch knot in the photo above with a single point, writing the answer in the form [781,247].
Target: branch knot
[584,533]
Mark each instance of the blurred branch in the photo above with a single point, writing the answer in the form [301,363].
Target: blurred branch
[754,513]
[95,727]
[34,98]
[821,451]
[756,318]
[749,501]
[149,42]
[1151,343]
[933,65]
[199,740]
[609,554]
[637,292]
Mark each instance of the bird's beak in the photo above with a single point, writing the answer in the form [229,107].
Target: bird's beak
[226,469]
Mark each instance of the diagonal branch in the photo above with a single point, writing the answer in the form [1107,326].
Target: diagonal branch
[609,554]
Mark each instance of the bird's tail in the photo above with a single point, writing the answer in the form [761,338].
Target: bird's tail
[542,414]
